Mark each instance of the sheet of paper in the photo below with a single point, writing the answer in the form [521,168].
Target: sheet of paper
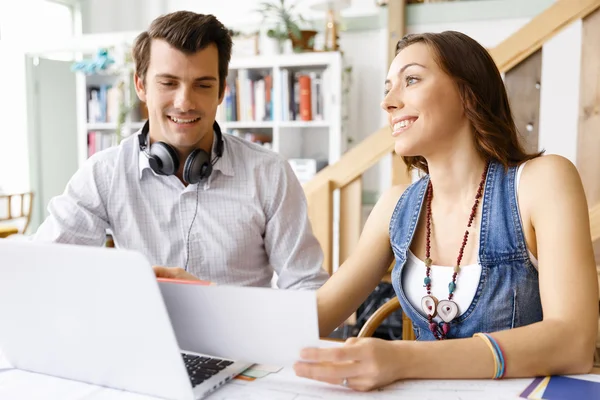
[256,325]
[255,373]
[286,386]
[267,368]
[260,371]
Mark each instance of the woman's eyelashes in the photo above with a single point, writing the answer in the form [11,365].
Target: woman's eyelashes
[409,81]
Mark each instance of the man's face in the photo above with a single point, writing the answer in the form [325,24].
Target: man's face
[181,92]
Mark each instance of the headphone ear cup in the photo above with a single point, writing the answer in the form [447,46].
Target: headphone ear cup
[163,159]
[197,167]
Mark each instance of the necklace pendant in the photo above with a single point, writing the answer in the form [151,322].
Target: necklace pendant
[429,305]
[447,310]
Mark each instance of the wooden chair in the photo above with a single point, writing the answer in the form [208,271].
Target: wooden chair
[377,318]
[15,213]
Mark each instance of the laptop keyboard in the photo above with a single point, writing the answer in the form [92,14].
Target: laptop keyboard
[201,368]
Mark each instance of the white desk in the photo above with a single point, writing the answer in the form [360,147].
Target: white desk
[284,385]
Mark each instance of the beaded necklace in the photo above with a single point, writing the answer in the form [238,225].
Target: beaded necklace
[446,309]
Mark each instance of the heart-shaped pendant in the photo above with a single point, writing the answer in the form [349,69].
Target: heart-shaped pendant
[429,305]
[447,310]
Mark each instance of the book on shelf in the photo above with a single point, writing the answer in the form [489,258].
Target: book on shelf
[247,98]
[103,103]
[261,139]
[250,98]
[302,96]
[100,140]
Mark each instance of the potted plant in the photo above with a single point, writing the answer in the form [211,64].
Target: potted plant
[285,24]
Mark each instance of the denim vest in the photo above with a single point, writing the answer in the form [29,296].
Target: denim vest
[508,294]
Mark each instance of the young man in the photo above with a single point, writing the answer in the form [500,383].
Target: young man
[209,204]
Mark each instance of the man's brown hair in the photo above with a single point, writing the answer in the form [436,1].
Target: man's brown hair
[483,95]
[188,32]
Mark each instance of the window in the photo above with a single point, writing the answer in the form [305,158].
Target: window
[28,20]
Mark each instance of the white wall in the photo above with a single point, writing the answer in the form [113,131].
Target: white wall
[104,16]
[242,12]
[487,33]
[101,16]
[559,97]
[366,52]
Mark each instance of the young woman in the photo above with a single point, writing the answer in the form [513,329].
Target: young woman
[491,242]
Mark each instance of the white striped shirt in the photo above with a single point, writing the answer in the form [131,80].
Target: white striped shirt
[251,220]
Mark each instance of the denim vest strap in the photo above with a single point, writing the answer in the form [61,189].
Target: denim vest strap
[501,237]
[406,216]
[508,292]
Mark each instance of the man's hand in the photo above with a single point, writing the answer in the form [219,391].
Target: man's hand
[175,273]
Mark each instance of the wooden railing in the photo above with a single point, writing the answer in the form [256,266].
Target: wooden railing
[346,174]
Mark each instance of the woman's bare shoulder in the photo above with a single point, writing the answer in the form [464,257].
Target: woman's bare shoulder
[392,195]
[383,210]
[548,172]
[550,179]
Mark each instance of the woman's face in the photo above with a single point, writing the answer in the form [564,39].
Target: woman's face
[424,107]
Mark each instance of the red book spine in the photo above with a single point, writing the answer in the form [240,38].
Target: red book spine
[305,98]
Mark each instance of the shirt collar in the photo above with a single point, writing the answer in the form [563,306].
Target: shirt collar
[223,164]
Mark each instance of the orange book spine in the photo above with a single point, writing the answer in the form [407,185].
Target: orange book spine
[305,98]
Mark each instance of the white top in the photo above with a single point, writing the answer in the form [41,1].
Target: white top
[251,220]
[413,275]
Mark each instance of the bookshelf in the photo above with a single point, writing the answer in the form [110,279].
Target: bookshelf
[101,98]
[310,141]
[290,103]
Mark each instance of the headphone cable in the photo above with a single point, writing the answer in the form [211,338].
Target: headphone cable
[187,252]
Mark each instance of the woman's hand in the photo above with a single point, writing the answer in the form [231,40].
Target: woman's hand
[364,363]
[177,274]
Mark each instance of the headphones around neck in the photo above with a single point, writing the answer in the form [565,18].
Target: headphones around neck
[163,158]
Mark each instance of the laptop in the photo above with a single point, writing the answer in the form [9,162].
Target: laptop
[97,315]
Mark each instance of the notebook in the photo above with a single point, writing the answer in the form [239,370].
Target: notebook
[563,388]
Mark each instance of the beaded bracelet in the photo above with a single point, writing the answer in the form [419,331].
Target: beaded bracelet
[499,365]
